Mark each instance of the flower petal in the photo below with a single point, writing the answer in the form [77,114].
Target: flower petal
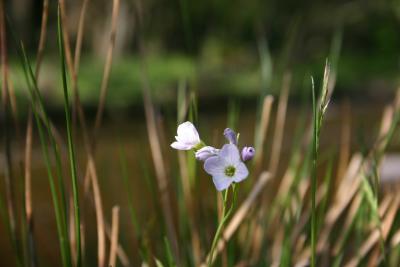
[215,166]
[187,133]
[230,135]
[230,153]
[241,172]
[206,152]
[222,182]
[181,146]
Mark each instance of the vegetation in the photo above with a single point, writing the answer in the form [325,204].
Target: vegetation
[324,206]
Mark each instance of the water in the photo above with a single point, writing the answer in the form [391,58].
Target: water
[131,136]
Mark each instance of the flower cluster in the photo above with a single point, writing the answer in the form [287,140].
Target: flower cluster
[225,165]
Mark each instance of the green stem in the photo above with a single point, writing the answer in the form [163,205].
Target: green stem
[314,179]
[225,216]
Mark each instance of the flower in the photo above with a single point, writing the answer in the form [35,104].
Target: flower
[187,137]
[226,167]
[231,136]
[206,152]
[248,153]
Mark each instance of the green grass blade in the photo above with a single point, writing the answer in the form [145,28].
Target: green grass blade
[314,177]
[129,192]
[168,251]
[71,148]
[60,209]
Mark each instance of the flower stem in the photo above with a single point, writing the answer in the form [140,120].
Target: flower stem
[225,216]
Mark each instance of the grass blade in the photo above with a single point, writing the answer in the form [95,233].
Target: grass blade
[71,149]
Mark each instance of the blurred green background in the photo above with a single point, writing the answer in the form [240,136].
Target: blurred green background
[230,53]
[220,48]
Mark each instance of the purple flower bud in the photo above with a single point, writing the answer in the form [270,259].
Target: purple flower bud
[248,153]
[231,136]
[206,152]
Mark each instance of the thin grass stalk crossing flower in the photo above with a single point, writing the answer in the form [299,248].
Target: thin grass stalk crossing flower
[71,149]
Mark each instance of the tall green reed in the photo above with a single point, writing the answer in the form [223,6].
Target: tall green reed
[71,146]
[42,123]
[319,110]
[46,136]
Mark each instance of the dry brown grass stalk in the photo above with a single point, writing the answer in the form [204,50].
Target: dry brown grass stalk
[262,130]
[114,236]
[91,173]
[28,174]
[101,248]
[42,38]
[68,54]
[107,66]
[71,225]
[395,239]
[156,152]
[90,146]
[28,191]
[184,173]
[79,37]
[5,97]
[346,191]
[345,143]
[374,237]
[355,205]
[122,256]
[280,124]
[162,180]
[275,155]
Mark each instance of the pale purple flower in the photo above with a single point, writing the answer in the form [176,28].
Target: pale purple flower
[187,137]
[206,152]
[226,167]
[231,136]
[248,153]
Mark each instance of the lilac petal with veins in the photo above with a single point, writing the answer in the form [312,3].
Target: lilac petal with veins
[230,135]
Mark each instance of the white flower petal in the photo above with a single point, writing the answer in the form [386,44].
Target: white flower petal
[187,133]
[230,153]
[181,146]
[241,172]
[215,166]
[222,182]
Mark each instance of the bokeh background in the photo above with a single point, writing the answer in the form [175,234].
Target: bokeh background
[223,48]
[230,54]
